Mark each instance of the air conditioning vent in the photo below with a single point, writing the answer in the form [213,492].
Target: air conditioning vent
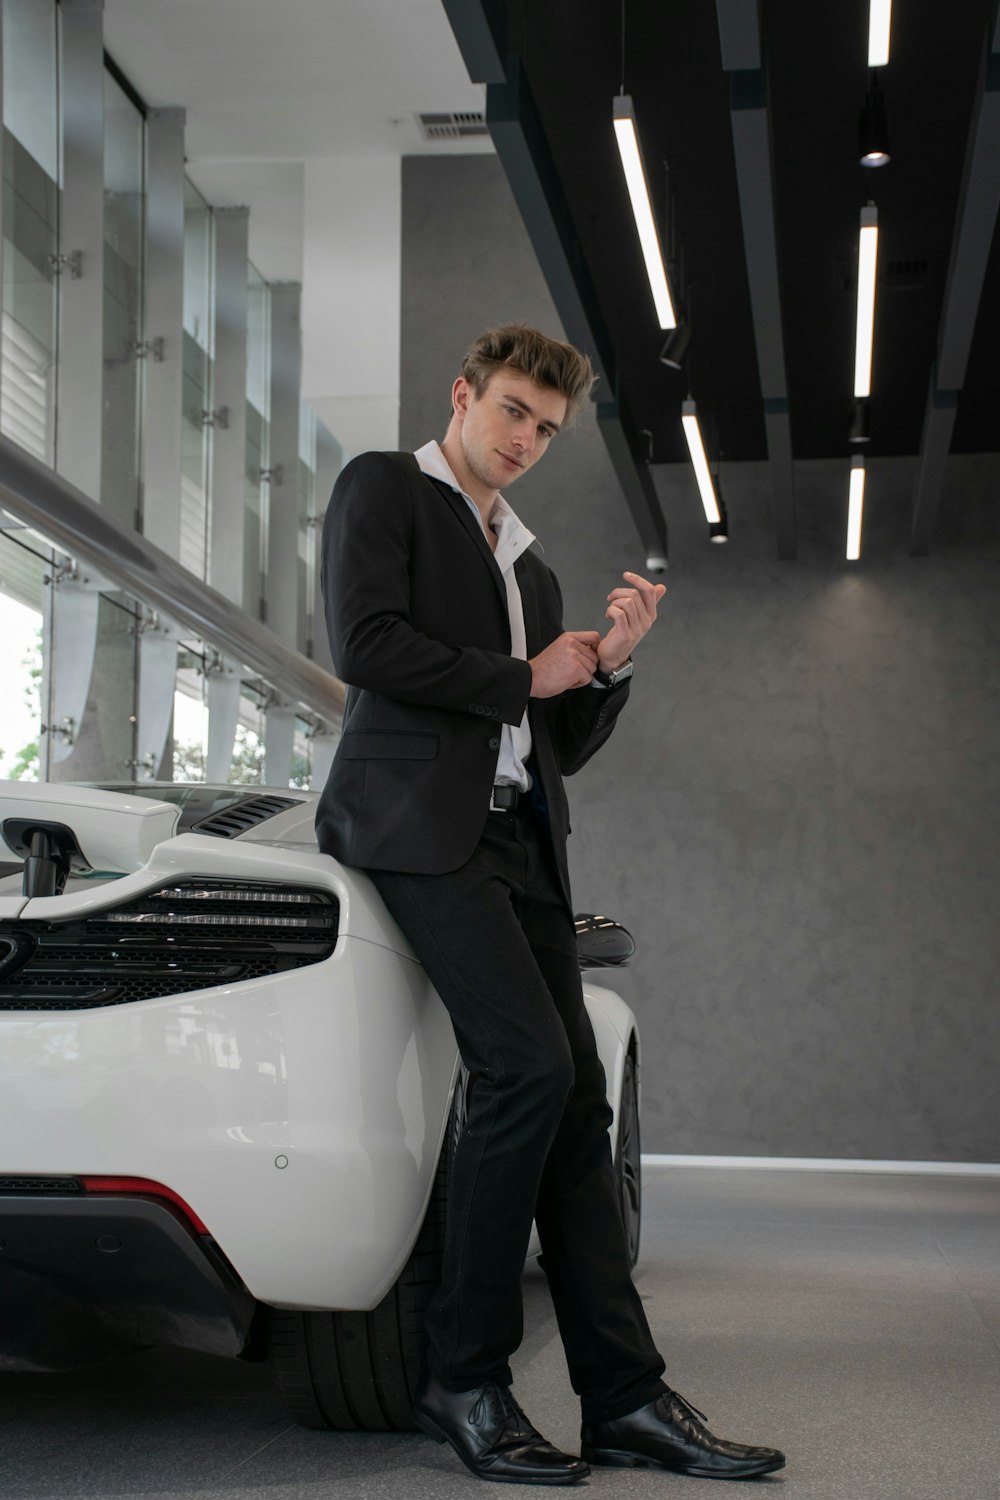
[233,821]
[453,126]
[910,274]
[189,936]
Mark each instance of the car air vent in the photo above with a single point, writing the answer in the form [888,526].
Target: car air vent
[61,1185]
[189,936]
[233,821]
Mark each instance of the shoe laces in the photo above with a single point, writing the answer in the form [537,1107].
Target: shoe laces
[496,1405]
[668,1397]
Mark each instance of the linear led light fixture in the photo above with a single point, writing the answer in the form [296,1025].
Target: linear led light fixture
[856,501]
[879,22]
[627,136]
[867,257]
[689,421]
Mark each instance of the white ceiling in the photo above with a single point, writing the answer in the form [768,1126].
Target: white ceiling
[286,100]
[269,84]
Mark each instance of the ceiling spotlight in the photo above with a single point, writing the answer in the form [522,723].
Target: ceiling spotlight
[676,347]
[689,421]
[626,134]
[873,130]
[718,531]
[856,500]
[860,430]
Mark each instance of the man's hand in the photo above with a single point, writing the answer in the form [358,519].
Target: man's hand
[631,612]
[569,662]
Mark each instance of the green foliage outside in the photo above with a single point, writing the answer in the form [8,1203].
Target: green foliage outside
[27,762]
[247,766]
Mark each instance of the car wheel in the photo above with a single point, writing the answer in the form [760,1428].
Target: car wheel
[628,1164]
[356,1371]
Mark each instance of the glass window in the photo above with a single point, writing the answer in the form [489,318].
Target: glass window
[199,349]
[302,753]
[190,721]
[21,602]
[258,440]
[30,225]
[124,210]
[306,562]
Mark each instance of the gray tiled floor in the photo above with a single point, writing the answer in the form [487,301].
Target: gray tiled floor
[854,1320]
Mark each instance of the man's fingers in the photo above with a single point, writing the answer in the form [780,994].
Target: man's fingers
[588,637]
[657,590]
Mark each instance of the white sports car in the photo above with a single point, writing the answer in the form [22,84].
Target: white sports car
[229,1095]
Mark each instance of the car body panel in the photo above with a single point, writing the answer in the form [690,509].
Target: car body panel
[300,1116]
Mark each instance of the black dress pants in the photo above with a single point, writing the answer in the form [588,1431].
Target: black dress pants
[499,946]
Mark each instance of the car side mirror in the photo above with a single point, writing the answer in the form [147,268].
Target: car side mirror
[602,943]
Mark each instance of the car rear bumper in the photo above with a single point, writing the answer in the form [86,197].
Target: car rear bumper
[88,1276]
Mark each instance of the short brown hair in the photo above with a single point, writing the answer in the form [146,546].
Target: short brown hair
[518,347]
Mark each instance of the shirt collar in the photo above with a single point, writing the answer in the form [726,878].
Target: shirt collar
[511,530]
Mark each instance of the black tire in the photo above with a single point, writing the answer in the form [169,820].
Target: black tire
[356,1371]
[628,1158]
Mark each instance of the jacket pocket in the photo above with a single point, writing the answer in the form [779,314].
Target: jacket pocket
[406,744]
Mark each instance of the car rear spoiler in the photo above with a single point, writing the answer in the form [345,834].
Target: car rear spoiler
[57,828]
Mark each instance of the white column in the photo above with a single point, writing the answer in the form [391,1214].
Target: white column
[71,649]
[157,680]
[329,462]
[223,713]
[229,393]
[281,580]
[164,320]
[279,737]
[79,382]
[323,748]
[352,301]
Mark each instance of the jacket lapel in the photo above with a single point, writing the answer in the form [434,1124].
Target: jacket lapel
[467,520]
[529,604]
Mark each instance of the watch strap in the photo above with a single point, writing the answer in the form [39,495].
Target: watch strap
[612,679]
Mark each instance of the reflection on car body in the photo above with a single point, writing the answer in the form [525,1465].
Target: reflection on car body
[229,1094]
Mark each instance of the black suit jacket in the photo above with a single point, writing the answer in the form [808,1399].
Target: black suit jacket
[416,610]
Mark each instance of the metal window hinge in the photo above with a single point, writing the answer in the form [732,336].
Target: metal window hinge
[62,572]
[143,348]
[217,418]
[73,262]
[66,730]
[148,763]
[275,476]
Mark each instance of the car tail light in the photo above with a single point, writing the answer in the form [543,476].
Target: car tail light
[145,1187]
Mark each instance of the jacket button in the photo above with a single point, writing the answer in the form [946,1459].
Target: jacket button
[494,743]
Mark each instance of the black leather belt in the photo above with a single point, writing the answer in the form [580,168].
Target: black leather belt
[505,798]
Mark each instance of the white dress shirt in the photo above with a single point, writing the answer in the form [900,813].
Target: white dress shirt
[513,538]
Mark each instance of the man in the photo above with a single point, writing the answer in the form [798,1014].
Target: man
[468,702]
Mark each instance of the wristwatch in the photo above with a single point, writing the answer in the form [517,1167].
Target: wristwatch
[617,677]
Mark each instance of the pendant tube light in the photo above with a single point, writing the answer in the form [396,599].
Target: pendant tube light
[867,260]
[689,421]
[627,137]
[879,25]
[855,506]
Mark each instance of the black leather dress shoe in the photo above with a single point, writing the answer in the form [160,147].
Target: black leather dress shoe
[669,1433]
[492,1436]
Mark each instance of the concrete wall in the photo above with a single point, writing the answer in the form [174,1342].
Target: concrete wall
[797,815]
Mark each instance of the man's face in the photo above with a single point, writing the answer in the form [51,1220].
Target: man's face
[508,428]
